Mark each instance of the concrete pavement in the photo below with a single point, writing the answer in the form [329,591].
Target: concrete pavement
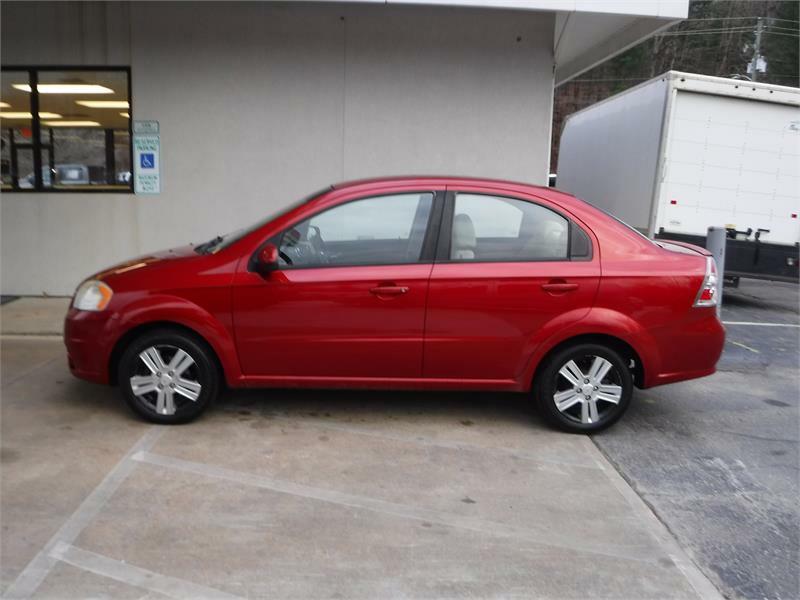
[301,494]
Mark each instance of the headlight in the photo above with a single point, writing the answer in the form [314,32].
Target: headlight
[92,295]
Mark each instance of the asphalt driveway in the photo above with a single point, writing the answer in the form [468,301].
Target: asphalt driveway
[718,459]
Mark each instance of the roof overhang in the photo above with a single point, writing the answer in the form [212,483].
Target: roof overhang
[587,32]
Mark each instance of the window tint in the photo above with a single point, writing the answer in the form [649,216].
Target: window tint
[372,231]
[579,246]
[492,228]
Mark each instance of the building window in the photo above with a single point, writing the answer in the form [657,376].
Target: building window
[66,129]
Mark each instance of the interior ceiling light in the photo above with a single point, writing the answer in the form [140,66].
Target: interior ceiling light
[5,105]
[65,88]
[126,115]
[71,123]
[27,115]
[104,103]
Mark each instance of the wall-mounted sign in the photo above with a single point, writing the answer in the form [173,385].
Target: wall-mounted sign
[146,157]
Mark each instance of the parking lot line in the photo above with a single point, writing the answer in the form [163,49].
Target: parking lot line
[133,575]
[541,536]
[40,566]
[754,324]
[745,346]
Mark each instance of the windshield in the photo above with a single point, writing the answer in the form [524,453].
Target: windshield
[219,242]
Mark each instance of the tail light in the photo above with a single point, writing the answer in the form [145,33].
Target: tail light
[707,295]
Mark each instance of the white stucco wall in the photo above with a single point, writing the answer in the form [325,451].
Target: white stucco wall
[260,104]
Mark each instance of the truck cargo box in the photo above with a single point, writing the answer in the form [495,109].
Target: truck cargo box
[683,152]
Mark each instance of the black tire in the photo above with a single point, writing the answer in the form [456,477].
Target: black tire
[202,372]
[550,382]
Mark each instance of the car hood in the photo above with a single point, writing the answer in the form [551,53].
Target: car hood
[155,259]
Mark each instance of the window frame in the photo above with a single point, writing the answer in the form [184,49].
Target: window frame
[446,232]
[429,242]
[36,131]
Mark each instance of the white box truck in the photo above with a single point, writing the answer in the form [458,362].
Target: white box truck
[683,152]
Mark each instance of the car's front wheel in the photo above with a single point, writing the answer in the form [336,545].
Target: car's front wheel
[168,376]
[584,388]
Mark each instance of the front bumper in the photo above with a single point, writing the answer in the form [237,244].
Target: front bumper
[89,344]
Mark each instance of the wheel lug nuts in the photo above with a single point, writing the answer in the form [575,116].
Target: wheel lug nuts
[158,374]
[585,381]
[172,385]
[588,397]
[171,373]
[595,387]
[161,387]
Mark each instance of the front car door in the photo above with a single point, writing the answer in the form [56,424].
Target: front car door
[348,301]
[509,269]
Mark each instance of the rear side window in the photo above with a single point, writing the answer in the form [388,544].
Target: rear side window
[579,245]
[496,228]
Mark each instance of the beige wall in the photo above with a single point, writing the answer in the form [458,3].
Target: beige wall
[260,104]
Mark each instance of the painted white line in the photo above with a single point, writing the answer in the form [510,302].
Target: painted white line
[135,576]
[696,578]
[753,324]
[746,347]
[546,535]
[39,567]
[586,462]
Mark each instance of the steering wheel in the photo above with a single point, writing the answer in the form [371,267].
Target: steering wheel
[318,244]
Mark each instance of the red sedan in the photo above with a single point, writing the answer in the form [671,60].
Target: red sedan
[407,283]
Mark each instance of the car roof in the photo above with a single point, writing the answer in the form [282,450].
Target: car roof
[455,181]
[439,179]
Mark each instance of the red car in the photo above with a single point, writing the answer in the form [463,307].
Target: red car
[407,283]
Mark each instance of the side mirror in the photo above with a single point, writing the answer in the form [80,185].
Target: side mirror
[267,259]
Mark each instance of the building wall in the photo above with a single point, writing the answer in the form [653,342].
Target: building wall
[259,104]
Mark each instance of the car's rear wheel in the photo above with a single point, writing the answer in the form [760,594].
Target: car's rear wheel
[168,376]
[584,388]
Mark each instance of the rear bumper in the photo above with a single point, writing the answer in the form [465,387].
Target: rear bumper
[689,351]
[86,336]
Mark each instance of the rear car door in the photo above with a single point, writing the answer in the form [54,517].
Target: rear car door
[508,269]
[349,298]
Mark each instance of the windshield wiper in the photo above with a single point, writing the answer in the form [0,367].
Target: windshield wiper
[206,247]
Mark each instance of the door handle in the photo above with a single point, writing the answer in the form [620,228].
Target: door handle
[559,287]
[389,290]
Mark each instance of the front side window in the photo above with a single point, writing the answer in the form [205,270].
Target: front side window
[381,230]
[495,228]
[78,140]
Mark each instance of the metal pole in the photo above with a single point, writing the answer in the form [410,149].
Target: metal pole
[715,242]
[756,52]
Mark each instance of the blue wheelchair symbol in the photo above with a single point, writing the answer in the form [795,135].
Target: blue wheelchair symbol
[147,160]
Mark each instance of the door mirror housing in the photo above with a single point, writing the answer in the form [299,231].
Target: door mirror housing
[267,260]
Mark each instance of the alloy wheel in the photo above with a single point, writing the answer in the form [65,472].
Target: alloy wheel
[588,389]
[166,379]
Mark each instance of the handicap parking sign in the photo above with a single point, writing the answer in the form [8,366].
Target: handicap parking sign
[147,160]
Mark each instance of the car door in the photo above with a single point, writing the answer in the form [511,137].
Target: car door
[348,301]
[508,270]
